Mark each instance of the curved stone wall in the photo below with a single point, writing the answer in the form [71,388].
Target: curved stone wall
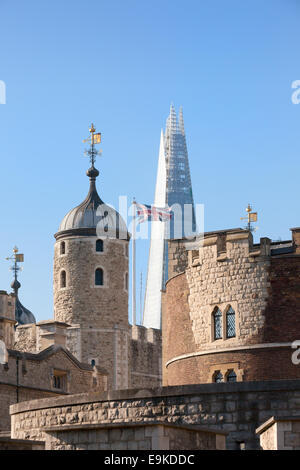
[264,292]
[236,408]
[81,302]
[98,315]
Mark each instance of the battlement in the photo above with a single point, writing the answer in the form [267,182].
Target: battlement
[228,244]
[145,357]
[145,335]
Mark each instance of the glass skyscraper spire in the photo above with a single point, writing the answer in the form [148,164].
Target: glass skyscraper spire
[173,189]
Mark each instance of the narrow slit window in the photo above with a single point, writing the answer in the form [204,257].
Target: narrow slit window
[63,248]
[99,277]
[99,246]
[63,279]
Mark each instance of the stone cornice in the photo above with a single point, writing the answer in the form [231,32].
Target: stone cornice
[226,350]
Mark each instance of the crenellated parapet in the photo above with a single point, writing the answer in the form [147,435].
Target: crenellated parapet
[145,357]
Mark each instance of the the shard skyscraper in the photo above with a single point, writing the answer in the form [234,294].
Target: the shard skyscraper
[173,189]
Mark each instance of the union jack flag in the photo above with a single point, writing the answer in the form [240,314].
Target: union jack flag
[152,213]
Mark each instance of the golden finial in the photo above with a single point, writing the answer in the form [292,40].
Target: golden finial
[15,249]
[92,129]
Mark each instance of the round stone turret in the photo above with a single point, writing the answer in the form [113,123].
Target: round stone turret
[91,282]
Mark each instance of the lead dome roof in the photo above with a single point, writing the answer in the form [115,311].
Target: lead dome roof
[93,215]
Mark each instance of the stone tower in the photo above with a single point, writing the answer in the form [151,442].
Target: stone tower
[91,283]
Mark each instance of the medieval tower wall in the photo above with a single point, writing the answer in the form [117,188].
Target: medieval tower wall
[98,314]
[258,284]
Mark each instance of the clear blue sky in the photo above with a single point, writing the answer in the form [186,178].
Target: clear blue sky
[120,64]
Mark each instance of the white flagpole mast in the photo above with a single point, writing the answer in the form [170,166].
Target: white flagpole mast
[133,306]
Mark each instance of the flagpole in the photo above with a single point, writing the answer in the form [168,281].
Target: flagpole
[133,306]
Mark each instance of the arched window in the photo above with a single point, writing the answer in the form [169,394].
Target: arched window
[230,323]
[99,277]
[93,362]
[231,376]
[218,377]
[62,248]
[99,245]
[217,317]
[63,279]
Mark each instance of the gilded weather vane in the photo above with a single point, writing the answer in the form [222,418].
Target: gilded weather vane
[251,217]
[16,258]
[95,138]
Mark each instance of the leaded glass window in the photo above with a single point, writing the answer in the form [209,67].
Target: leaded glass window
[217,323]
[230,323]
[231,376]
[218,377]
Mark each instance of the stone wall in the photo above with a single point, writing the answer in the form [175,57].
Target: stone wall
[6,443]
[236,408]
[30,376]
[178,257]
[26,338]
[101,312]
[81,302]
[145,357]
[133,437]
[7,318]
[280,433]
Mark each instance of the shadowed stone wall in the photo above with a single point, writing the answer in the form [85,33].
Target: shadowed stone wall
[236,408]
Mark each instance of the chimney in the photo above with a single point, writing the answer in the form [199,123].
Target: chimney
[51,332]
[296,239]
[7,318]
